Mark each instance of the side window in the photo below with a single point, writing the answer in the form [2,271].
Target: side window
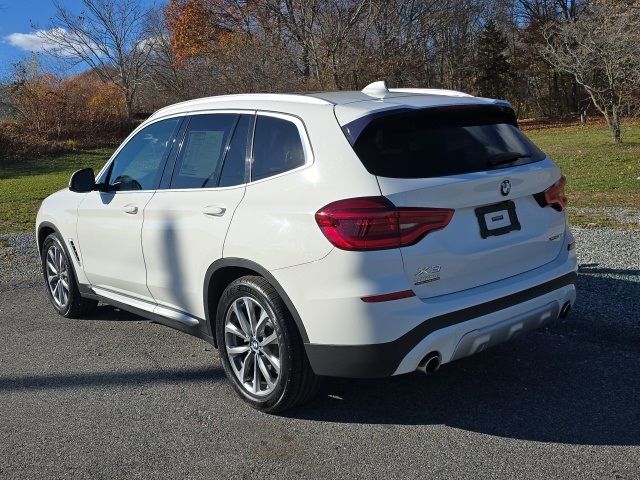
[234,169]
[277,147]
[203,150]
[137,165]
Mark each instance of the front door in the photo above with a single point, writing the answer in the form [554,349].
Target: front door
[110,221]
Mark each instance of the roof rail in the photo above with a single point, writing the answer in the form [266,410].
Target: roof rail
[206,101]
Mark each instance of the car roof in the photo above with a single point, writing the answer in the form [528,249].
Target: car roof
[344,97]
[348,104]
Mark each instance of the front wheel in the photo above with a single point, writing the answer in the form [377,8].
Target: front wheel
[60,280]
[260,347]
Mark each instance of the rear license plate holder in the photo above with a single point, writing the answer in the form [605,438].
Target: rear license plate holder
[493,219]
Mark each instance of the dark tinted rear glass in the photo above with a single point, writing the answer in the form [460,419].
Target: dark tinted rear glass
[442,141]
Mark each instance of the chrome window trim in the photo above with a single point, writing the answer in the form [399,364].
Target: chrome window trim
[304,137]
[296,120]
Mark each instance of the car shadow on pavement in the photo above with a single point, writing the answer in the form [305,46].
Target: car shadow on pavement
[575,382]
[106,379]
[108,313]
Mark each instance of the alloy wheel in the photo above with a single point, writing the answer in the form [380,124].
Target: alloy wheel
[252,346]
[57,276]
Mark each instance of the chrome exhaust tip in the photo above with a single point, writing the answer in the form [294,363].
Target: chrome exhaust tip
[565,310]
[430,363]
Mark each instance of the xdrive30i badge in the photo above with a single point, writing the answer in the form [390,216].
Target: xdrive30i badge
[427,274]
[505,187]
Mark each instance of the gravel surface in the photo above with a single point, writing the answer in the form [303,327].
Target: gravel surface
[114,396]
[608,248]
[19,262]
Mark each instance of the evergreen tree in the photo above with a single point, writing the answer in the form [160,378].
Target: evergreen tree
[493,72]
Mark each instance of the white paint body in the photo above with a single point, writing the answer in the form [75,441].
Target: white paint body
[156,258]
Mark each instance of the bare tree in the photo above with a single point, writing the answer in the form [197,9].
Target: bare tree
[109,36]
[164,73]
[602,52]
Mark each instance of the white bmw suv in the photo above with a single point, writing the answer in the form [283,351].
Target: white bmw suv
[354,234]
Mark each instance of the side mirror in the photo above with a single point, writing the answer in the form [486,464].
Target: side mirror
[82,181]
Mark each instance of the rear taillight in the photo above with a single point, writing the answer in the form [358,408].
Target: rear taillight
[553,196]
[374,223]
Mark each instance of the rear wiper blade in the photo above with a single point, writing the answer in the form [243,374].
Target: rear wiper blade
[506,157]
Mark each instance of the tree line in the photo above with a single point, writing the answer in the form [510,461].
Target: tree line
[549,58]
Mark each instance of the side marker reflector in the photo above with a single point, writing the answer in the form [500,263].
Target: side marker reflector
[388,296]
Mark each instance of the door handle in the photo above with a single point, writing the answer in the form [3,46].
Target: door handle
[214,211]
[132,209]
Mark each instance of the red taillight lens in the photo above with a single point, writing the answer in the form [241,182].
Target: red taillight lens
[553,196]
[374,223]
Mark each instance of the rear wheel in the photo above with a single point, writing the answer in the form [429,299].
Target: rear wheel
[61,281]
[260,347]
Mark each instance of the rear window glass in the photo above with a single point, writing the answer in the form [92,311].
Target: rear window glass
[442,141]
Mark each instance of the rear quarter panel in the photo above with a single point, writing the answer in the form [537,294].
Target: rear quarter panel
[275,225]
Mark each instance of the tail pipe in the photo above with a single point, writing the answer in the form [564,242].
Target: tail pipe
[430,363]
[564,312]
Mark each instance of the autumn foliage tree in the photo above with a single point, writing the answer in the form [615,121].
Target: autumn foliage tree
[287,45]
[57,108]
[195,26]
[109,37]
[141,59]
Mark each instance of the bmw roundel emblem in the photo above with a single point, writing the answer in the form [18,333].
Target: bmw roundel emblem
[505,187]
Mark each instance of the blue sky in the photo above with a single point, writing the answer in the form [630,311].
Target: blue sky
[17,37]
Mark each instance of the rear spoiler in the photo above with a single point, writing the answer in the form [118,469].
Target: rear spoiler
[441,116]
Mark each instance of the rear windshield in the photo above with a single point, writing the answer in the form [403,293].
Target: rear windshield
[443,141]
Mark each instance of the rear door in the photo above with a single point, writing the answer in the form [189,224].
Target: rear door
[473,160]
[187,220]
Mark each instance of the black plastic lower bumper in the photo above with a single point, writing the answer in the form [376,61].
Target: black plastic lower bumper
[383,359]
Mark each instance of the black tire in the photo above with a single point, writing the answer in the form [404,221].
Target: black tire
[75,306]
[296,382]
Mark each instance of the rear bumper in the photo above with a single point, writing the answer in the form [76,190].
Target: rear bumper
[351,338]
[453,335]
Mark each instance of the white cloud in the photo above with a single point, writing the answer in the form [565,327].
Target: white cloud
[31,42]
[152,44]
[40,41]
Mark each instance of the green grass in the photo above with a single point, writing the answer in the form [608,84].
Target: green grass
[599,173]
[25,183]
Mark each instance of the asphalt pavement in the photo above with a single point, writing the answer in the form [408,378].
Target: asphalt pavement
[115,396]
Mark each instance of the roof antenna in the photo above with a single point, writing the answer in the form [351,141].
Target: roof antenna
[377,89]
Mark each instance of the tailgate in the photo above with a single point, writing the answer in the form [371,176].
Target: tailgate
[484,242]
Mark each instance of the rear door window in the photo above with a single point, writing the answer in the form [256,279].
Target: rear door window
[442,141]
[203,149]
[277,147]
